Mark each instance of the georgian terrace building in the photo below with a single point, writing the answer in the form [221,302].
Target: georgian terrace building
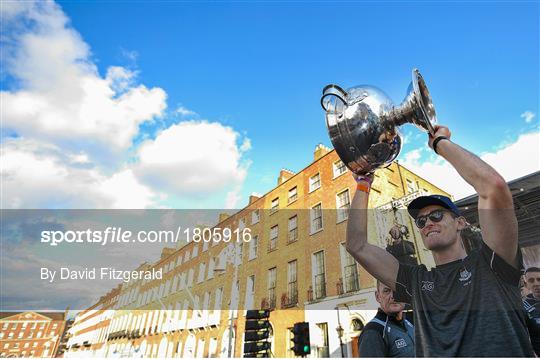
[295,264]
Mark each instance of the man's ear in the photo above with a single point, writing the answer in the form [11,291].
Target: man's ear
[462,223]
[377,297]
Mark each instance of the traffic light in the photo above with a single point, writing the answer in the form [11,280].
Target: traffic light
[302,346]
[256,334]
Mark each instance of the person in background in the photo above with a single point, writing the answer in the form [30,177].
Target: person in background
[389,334]
[531,304]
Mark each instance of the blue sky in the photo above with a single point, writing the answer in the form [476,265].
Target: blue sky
[257,69]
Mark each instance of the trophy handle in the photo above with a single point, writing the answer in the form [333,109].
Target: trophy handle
[425,104]
[333,90]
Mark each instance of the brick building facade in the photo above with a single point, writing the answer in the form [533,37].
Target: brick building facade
[31,334]
[295,264]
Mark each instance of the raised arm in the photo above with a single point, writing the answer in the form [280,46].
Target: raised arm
[378,262]
[495,205]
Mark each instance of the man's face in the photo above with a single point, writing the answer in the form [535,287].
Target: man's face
[442,234]
[532,281]
[385,297]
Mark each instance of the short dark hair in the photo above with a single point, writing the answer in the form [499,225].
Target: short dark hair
[532,269]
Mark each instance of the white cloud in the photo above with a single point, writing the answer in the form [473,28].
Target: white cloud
[62,97]
[184,112]
[76,127]
[514,160]
[193,157]
[40,175]
[528,116]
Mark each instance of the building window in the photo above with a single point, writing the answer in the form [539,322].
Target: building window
[293,195]
[219,297]
[250,292]
[319,275]
[211,267]
[272,287]
[342,204]
[339,168]
[272,244]
[349,270]
[293,229]
[253,246]
[323,349]
[205,245]
[314,182]
[202,270]
[275,205]
[190,278]
[411,186]
[195,252]
[316,218]
[255,216]
[292,285]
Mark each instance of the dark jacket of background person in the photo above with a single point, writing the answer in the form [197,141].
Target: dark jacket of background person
[385,336]
[532,308]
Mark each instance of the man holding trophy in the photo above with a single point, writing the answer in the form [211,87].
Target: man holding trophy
[469,304]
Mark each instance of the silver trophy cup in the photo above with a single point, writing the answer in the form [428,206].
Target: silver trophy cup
[363,122]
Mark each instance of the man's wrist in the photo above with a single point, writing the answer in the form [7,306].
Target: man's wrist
[363,183]
[363,187]
[364,179]
[436,142]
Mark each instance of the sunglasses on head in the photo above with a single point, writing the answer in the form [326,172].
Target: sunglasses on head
[434,216]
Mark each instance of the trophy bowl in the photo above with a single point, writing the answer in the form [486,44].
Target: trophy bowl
[363,122]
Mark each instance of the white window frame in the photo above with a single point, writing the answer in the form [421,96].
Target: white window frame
[289,229]
[336,168]
[202,270]
[342,209]
[211,267]
[274,205]
[292,198]
[253,247]
[312,213]
[314,273]
[255,216]
[314,185]
[271,237]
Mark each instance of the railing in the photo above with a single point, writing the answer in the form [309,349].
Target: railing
[290,299]
[269,302]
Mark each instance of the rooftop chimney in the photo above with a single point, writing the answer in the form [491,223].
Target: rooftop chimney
[223,216]
[253,198]
[284,175]
[320,151]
